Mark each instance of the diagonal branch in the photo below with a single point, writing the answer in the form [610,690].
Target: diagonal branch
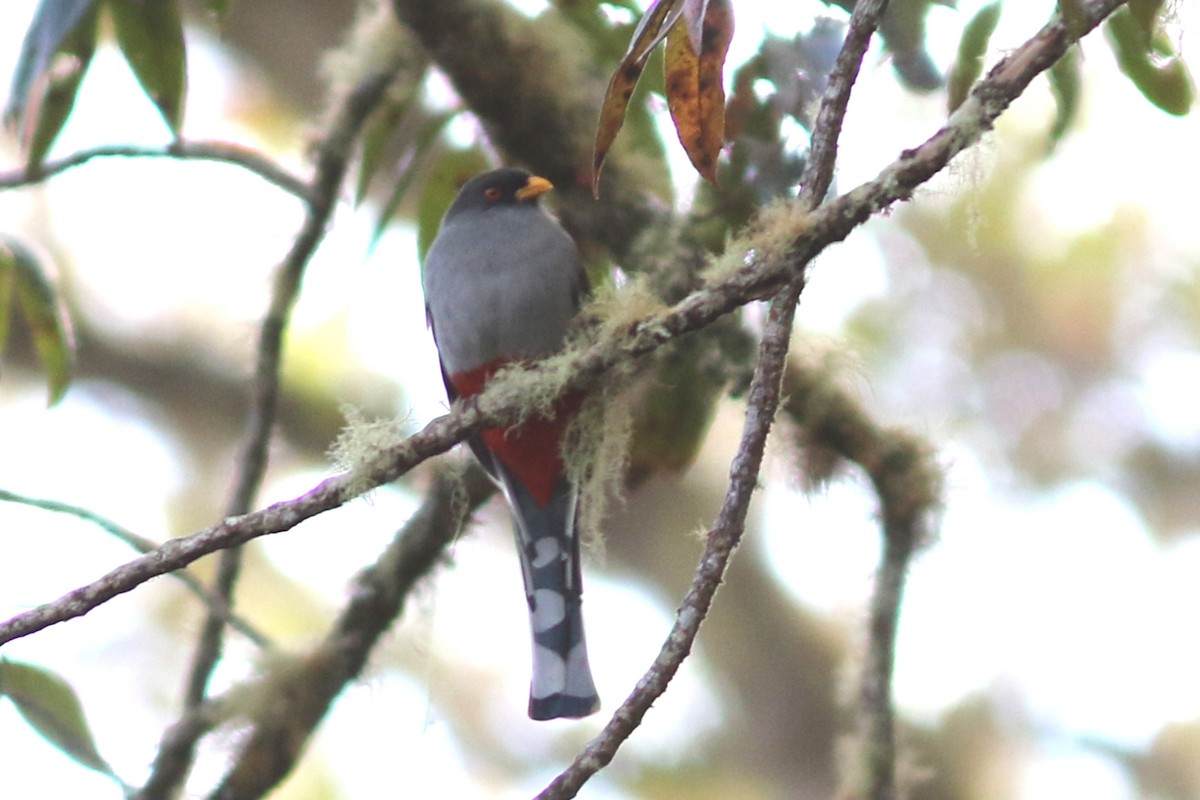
[269,750]
[762,403]
[722,540]
[762,275]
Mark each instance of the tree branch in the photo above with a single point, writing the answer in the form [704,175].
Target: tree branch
[307,688]
[821,159]
[876,698]
[180,150]
[763,399]
[903,471]
[176,753]
[499,405]
[216,605]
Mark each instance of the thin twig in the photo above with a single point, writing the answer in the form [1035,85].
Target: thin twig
[906,478]
[215,604]
[224,152]
[875,694]
[821,159]
[176,753]
[830,222]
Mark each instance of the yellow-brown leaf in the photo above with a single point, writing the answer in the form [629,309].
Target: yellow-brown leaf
[651,28]
[694,86]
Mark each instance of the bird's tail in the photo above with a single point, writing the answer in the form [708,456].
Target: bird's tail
[562,684]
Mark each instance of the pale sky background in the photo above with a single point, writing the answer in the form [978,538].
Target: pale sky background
[1063,652]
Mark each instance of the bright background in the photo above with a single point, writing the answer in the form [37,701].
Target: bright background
[1036,318]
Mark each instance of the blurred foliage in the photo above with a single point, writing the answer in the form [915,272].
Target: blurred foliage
[25,282]
[58,48]
[54,58]
[971,50]
[1149,58]
[150,35]
[1065,84]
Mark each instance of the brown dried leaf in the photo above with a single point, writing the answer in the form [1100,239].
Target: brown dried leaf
[651,29]
[695,91]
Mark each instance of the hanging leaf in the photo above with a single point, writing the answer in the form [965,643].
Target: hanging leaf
[1151,63]
[693,79]
[651,29]
[54,20]
[150,35]
[971,50]
[25,282]
[51,707]
[54,56]
[1065,82]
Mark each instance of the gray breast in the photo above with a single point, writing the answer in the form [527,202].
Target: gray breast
[504,283]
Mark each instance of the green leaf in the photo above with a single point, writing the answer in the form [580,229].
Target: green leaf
[1151,63]
[971,50]
[54,57]
[25,279]
[1145,12]
[1066,83]
[447,176]
[51,707]
[150,35]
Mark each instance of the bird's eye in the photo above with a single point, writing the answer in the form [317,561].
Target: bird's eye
[491,194]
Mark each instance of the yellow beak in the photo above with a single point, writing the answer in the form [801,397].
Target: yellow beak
[533,188]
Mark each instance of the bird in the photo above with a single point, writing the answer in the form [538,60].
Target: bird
[503,281]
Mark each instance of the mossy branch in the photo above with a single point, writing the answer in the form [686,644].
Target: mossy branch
[293,697]
[757,277]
